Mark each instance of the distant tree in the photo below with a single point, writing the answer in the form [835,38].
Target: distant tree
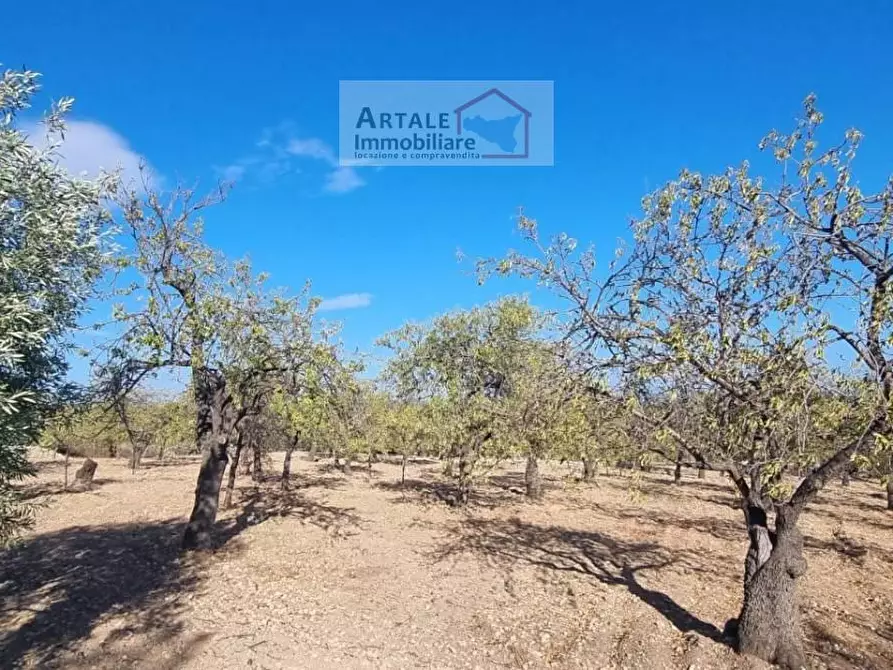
[460,363]
[406,427]
[52,230]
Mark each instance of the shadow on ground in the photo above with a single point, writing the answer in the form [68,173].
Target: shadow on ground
[261,503]
[867,649]
[610,561]
[39,490]
[55,588]
[431,491]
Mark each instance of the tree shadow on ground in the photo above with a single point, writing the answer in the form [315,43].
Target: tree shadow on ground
[172,462]
[610,561]
[514,482]
[871,652]
[262,503]
[844,503]
[55,588]
[47,489]
[432,491]
[723,529]
[666,483]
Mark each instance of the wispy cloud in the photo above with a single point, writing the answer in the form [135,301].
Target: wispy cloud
[312,147]
[346,301]
[90,147]
[340,179]
[276,152]
[343,180]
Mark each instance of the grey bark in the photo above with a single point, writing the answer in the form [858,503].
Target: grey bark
[286,465]
[233,470]
[257,473]
[890,493]
[212,436]
[769,624]
[533,483]
[590,469]
[463,480]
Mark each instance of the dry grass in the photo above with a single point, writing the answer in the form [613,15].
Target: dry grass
[360,572]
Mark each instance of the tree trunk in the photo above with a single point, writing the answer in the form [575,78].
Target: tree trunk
[677,472]
[136,457]
[67,459]
[403,471]
[845,478]
[207,496]
[463,481]
[702,473]
[233,469]
[257,473]
[345,467]
[532,481]
[212,438]
[890,493]
[590,469]
[286,465]
[769,624]
[246,465]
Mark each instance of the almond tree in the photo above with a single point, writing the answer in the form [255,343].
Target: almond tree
[540,413]
[728,298]
[187,307]
[458,364]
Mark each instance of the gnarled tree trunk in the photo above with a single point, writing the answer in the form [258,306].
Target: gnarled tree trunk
[463,480]
[533,484]
[257,473]
[233,469]
[677,471]
[590,469]
[769,624]
[211,435]
[286,465]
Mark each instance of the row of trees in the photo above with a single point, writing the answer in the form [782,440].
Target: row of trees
[714,340]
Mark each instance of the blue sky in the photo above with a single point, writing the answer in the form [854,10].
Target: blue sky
[251,90]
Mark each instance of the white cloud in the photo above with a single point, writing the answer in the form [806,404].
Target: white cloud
[343,180]
[90,147]
[346,301]
[313,148]
[277,150]
[339,180]
[232,172]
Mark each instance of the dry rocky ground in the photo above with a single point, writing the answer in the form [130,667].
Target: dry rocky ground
[357,572]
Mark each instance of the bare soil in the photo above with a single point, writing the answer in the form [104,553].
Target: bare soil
[359,572]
